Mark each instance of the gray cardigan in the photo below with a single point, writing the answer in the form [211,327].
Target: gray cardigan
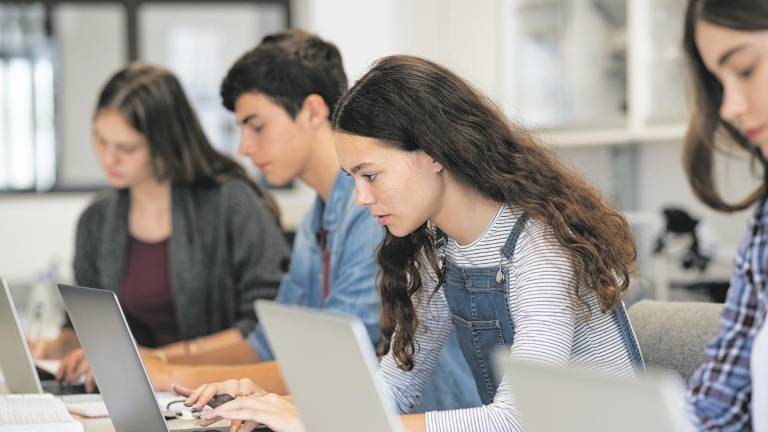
[225,251]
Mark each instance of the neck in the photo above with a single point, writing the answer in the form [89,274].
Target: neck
[464,212]
[151,196]
[323,165]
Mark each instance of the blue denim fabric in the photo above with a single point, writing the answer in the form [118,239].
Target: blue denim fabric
[479,304]
[353,236]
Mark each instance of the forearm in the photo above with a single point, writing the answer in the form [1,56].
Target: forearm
[414,422]
[265,374]
[224,348]
[68,340]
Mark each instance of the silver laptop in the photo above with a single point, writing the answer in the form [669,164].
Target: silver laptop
[15,360]
[111,350]
[21,375]
[329,367]
[569,398]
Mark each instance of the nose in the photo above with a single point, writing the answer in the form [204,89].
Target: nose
[734,105]
[247,144]
[109,154]
[363,194]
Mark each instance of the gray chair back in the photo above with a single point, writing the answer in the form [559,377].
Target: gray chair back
[672,335]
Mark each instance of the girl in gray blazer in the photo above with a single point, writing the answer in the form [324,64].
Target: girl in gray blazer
[185,238]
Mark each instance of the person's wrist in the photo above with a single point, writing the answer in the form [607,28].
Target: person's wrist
[191,347]
[160,356]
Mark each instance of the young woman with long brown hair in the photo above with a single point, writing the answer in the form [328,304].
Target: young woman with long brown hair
[726,43]
[487,234]
[184,237]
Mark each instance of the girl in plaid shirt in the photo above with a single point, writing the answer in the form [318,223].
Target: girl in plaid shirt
[726,42]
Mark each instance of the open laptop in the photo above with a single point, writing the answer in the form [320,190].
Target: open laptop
[569,398]
[117,367]
[329,367]
[19,371]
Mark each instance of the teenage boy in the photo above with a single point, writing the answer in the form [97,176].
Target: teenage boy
[282,93]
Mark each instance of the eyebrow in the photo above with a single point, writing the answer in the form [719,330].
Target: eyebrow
[730,53]
[247,119]
[358,167]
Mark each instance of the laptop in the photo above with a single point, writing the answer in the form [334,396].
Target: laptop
[117,367]
[19,371]
[329,367]
[569,398]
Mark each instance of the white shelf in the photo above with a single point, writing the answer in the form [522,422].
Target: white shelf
[610,136]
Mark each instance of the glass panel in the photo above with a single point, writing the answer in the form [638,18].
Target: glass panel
[199,42]
[664,73]
[25,95]
[568,63]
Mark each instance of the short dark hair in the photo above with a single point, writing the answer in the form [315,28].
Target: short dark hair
[287,66]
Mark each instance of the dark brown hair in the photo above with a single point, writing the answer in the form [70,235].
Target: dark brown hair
[287,66]
[413,104]
[153,102]
[706,124]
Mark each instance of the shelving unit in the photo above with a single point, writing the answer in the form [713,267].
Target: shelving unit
[553,53]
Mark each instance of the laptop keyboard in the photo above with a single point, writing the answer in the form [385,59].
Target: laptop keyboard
[60,389]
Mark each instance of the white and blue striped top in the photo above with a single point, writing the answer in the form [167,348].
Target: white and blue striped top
[550,323]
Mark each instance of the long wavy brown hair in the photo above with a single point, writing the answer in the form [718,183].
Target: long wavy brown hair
[416,105]
[706,125]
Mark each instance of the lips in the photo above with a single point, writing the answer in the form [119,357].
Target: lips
[753,133]
[383,219]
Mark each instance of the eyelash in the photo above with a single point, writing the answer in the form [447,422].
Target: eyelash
[370,177]
[746,73]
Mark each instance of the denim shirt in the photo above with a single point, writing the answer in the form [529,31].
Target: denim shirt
[352,239]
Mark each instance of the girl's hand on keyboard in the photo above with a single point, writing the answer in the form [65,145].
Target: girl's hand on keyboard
[75,368]
[276,412]
[206,393]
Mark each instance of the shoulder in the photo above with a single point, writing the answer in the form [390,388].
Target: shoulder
[238,195]
[98,207]
[539,250]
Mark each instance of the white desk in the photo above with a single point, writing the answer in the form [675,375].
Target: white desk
[104,424]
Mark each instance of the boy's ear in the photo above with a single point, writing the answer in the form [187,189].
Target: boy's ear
[316,109]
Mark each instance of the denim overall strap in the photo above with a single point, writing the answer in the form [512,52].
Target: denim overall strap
[628,335]
[508,251]
[478,298]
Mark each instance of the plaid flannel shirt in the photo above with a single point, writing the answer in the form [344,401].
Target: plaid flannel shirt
[719,393]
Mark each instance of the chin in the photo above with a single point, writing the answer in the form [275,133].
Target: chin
[278,179]
[398,232]
[119,184]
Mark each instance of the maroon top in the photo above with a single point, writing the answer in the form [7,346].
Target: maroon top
[146,293]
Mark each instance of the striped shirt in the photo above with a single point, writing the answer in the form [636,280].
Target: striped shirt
[550,324]
[720,392]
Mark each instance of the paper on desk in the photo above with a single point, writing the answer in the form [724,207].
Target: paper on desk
[50,366]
